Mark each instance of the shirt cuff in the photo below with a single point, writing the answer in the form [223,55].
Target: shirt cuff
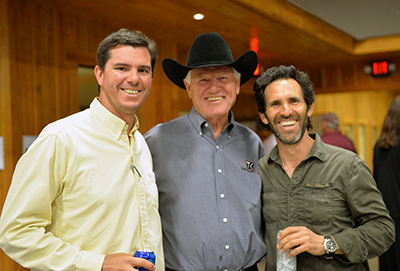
[353,251]
[91,261]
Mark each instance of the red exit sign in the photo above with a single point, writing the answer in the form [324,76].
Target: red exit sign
[380,68]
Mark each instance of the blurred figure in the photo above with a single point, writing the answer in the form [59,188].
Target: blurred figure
[268,140]
[332,135]
[387,175]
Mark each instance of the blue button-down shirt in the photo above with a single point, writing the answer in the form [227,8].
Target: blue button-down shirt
[209,194]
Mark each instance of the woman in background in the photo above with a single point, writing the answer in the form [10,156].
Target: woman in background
[387,175]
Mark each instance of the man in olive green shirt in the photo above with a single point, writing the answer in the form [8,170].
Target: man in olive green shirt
[323,198]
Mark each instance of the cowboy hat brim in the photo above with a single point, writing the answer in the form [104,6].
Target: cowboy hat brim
[245,65]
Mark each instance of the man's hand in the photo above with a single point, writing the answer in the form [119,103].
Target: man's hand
[301,239]
[125,262]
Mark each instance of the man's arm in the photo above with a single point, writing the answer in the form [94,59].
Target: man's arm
[302,239]
[374,230]
[28,211]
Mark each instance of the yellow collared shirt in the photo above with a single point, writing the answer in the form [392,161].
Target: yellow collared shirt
[84,189]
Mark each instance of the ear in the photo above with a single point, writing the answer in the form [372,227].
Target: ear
[310,110]
[263,118]
[99,75]
[188,88]
[238,86]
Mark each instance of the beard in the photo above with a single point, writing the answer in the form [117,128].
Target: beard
[292,140]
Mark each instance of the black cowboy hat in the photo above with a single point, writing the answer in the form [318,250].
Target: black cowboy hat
[209,50]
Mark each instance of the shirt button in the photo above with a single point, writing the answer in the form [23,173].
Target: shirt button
[222,196]
[219,171]
[217,147]
[227,247]
[225,220]
[201,133]
[229,136]
[225,269]
[206,124]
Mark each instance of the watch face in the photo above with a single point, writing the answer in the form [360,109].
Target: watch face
[330,245]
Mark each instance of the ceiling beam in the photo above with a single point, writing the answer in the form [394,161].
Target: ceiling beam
[378,45]
[296,18]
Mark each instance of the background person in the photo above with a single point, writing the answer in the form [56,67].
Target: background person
[83,197]
[268,140]
[206,166]
[332,134]
[323,198]
[387,175]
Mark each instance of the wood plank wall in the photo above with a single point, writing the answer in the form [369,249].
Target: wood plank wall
[42,45]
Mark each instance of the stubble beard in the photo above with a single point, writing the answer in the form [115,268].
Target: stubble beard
[281,137]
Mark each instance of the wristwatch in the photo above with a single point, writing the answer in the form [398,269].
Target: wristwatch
[330,247]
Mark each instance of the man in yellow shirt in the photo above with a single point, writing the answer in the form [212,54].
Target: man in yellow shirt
[83,197]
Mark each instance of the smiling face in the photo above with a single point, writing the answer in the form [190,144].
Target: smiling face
[125,82]
[213,91]
[286,111]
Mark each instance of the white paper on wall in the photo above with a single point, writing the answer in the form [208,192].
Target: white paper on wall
[1,153]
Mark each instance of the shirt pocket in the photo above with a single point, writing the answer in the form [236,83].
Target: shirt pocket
[315,204]
[274,205]
[250,188]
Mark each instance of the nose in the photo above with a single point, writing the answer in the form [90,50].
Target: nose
[133,77]
[286,110]
[214,84]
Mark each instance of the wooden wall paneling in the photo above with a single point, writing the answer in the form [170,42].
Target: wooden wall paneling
[13,99]
[6,263]
[181,103]
[66,74]
[159,105]
[348,75]
[22,75]
[46,66]
[362,110]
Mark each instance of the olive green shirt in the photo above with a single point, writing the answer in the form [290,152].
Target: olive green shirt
[332,192]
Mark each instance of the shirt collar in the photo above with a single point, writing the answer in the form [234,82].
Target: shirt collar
[318,150]
[115,125]
[198,120]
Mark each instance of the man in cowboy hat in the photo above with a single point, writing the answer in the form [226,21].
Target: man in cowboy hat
[206,166]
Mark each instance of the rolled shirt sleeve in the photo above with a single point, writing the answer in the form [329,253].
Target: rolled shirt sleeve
[374,230]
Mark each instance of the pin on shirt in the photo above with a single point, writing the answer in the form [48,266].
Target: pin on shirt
[250,165]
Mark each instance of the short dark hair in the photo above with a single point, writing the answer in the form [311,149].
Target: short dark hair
[283,72]
[124,36]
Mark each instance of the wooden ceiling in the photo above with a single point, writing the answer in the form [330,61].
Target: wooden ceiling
[286,34]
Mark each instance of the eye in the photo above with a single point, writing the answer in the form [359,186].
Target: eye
[294,101]
[274,104]
[121,68]
[144,71]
